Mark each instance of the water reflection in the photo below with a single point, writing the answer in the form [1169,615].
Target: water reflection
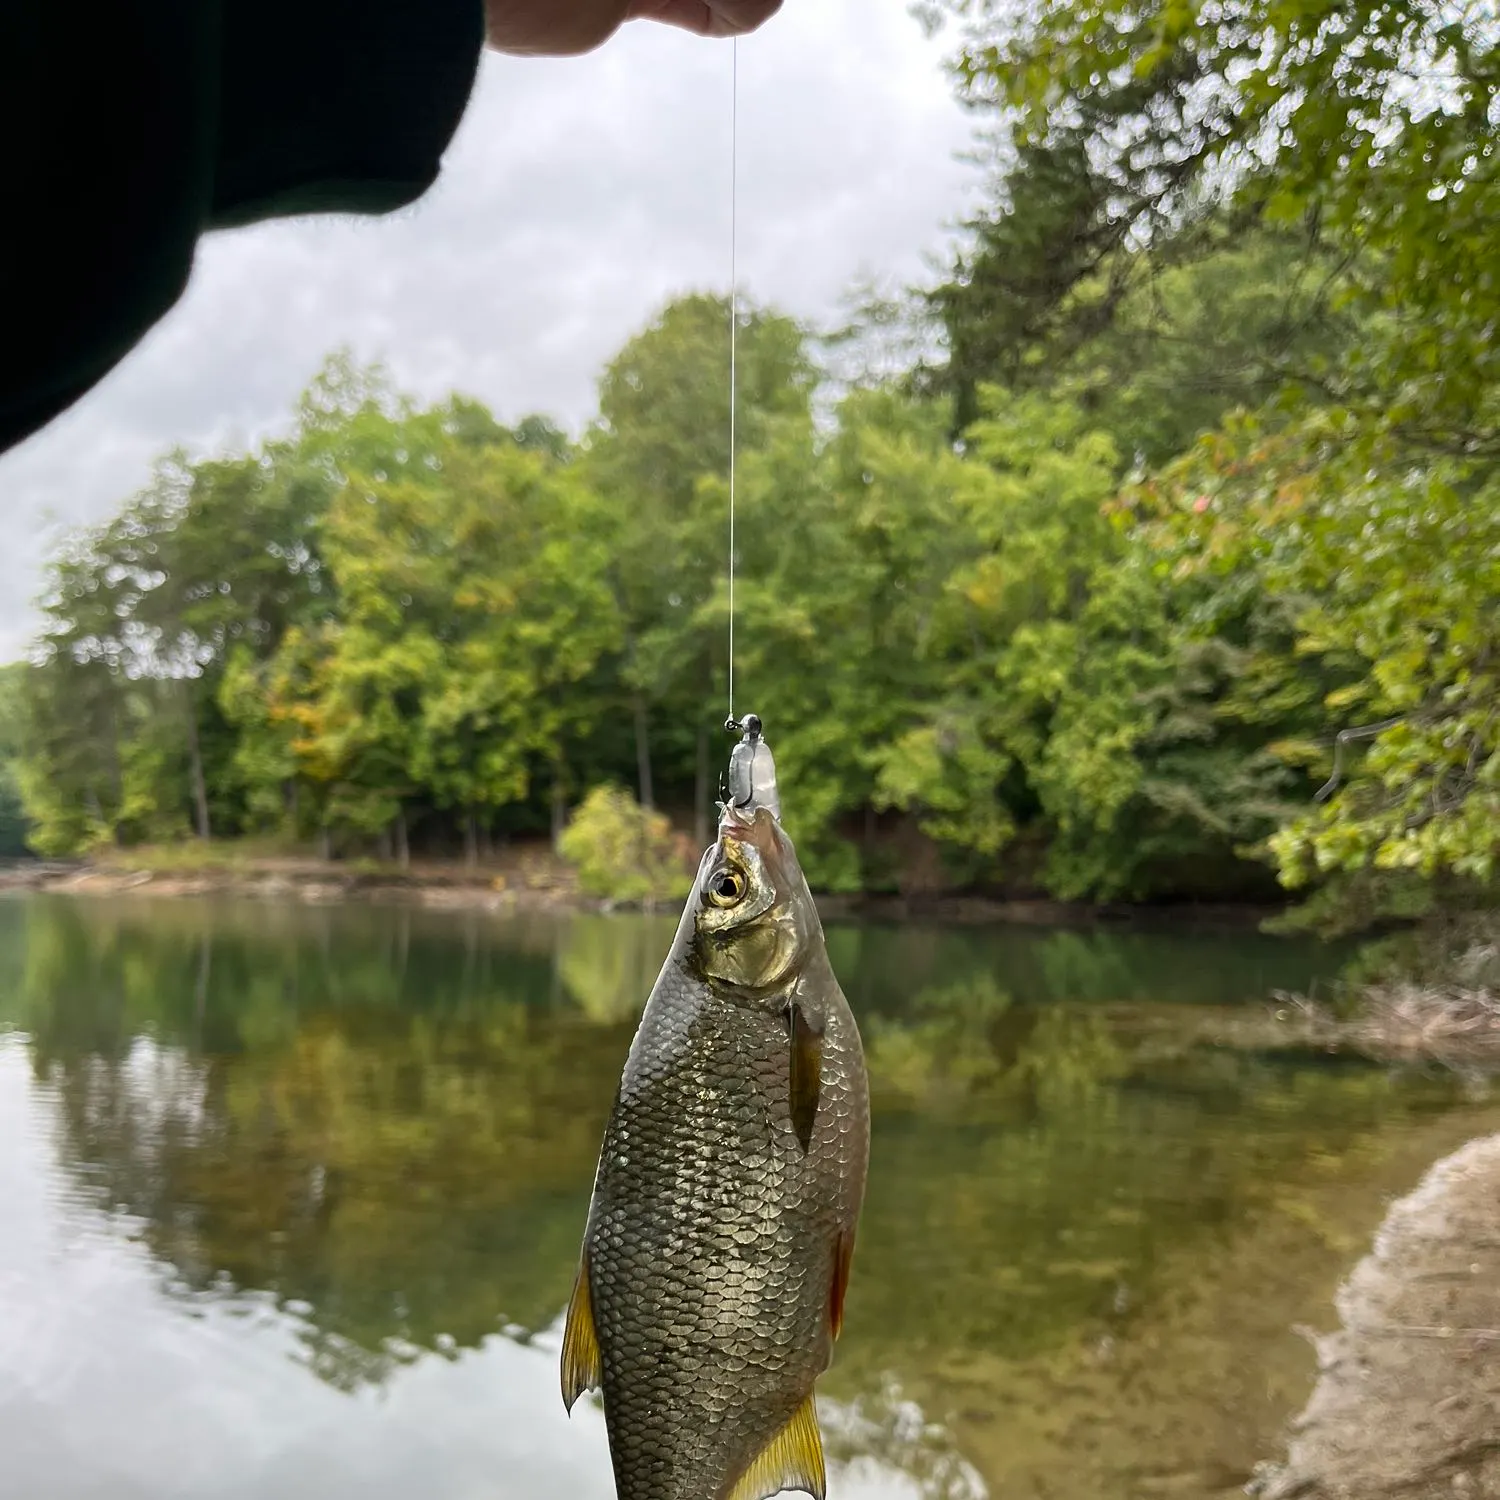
[320,1176]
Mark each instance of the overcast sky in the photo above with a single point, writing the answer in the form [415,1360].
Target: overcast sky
[577,197]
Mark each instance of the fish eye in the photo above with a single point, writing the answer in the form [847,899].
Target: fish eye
[727,888]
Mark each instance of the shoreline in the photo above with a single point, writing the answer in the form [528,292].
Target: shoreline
[542,884]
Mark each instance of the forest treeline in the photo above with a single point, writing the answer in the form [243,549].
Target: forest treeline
[1153,553]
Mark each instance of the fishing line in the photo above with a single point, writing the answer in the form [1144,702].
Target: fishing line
[734,323]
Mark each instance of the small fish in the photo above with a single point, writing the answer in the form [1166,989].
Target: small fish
[717,1251]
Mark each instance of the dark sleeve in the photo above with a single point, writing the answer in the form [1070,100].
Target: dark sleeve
[137,125]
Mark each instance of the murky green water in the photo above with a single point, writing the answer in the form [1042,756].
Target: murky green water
[290,1201]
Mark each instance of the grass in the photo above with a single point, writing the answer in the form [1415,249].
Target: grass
[199,857]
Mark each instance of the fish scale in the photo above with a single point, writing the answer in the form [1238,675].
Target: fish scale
[717,1242]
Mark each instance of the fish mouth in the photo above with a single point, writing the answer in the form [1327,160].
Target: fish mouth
[747,825]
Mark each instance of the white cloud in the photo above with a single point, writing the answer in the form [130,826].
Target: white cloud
[578,196]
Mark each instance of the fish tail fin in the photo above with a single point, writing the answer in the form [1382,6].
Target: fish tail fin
[582,1363]
[792,1460]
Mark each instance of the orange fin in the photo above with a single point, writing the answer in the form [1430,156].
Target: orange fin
[582,1364]
[806,1074]
[792,1460]
[843,1257]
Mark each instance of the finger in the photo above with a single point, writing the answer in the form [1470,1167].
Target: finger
[549,28]
[691,15]
[723,18]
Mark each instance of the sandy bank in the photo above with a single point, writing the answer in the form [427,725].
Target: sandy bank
[534,880]
[1407,1404]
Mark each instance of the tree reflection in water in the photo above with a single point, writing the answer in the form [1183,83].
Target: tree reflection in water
[385,1123]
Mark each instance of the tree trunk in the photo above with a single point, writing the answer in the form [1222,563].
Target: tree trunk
[325,843]
[559,806]
[471,841]
[701,791]
[383,844]
[291,800]
[195,759]
[403,848]
[643,753]
[487,842]
[117,771]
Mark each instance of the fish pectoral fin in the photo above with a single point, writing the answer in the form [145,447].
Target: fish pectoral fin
[843,1257]
[582,1364]
[793,1460]
[806,1073]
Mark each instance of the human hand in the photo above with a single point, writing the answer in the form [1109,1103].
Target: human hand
[566,28]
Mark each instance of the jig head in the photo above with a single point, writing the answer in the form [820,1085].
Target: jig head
[752,770]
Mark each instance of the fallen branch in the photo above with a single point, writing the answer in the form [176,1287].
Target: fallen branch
[1454,1024]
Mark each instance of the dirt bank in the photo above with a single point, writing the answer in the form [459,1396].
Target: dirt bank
[530,881]
[1407,1404]
[533,879]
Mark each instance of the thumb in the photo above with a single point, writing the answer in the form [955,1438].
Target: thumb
[707,17]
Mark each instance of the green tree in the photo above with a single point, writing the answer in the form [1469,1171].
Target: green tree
[1358,510]
[846,542]
[658,457]
[14,825]
[71,771]
[1373,122]
[471,604]
[1036,650]
[623,851]
[1158,343]
[1388,580]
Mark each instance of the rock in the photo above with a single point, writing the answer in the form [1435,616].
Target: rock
[1407,1404]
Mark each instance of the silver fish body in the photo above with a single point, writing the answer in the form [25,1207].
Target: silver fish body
[719,1237]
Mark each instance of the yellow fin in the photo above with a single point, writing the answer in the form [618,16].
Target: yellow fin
[582,1365]
[793,1460]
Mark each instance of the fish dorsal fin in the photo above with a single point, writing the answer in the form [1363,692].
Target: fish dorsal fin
[581,1361]
[793,1460]
[806,1074]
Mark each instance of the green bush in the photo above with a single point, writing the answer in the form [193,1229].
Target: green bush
[622,852]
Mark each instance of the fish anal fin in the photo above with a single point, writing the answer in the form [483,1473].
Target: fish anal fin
[792,1460]
[806,1074]
[582,1364]
[843,1258]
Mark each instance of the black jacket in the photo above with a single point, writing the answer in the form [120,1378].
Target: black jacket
[132,127]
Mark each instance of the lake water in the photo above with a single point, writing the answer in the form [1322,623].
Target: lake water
[290,1202]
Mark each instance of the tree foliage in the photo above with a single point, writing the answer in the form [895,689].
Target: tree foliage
[13,823]
[623,851]
[1316,460]
[1170,573]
